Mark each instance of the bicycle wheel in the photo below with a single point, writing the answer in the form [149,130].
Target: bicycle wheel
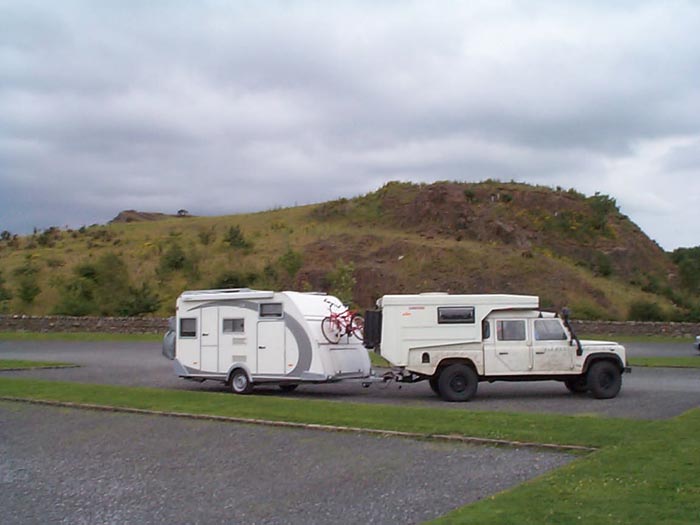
[331,330]
[357,326]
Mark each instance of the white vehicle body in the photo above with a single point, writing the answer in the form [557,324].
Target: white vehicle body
[498,337]
[244,337]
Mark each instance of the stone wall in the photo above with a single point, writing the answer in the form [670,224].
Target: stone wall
[146,325]
[637,328]
[115,325]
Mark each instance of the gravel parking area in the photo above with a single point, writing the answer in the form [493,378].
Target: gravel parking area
[83,467]
[647,393]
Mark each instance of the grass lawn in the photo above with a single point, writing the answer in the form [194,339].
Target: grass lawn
[79,336]
[669,362]
[644,472]
[21,364]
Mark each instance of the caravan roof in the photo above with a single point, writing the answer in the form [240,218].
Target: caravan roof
[224,294]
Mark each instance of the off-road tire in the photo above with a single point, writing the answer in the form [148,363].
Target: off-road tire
[457,383]
[576,384]
[433,381]
[604,379]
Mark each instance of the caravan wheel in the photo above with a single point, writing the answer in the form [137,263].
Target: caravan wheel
[240,384]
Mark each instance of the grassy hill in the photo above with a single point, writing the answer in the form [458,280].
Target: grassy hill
[455,237]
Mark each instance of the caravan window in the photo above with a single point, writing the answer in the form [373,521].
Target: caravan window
[271,310]
[456,315]
[510,330]
[234,326]
[188,327]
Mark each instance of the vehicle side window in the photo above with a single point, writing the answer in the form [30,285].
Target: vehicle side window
[271,310]
[188,327]
[234,326]
[485,329]
[456,315]
[510,330]
[549,330]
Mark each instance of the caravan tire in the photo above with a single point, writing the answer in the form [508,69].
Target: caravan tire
[457,383]
[240,382]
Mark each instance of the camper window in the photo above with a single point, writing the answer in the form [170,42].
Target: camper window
[510,330]
[188,327]
[271,310]
[234,326]
[456,315]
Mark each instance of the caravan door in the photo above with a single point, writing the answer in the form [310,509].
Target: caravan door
[271,339]
[210,339]
[271,347]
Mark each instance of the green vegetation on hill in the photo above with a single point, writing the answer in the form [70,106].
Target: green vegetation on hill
[454,237]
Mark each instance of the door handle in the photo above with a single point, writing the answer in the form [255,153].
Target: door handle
[204,334]
[539,353]
[502,353]
[262,347]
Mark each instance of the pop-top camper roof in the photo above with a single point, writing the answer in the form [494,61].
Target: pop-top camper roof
[496,301]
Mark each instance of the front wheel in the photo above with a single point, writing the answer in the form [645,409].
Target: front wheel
[604,379]
[240,383]
[357,326]
[577,384]
[330,327]
[457,383]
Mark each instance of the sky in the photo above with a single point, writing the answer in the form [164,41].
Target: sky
[222,107]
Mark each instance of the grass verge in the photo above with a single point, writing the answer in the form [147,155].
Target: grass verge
[645,472]
[619,338]
[22,364]
[80,336]
[668,362]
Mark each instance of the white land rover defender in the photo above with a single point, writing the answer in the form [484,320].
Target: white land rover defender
[456,341]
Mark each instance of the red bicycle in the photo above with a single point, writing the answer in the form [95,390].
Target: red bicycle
[336,325]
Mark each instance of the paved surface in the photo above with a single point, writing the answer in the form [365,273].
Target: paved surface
[646,392]
[85,467]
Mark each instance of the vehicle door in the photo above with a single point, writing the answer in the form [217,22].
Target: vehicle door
[552,351]
[209,341]
[511,348]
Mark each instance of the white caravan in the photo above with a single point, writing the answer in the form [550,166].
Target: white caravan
[455,341]
[246,337]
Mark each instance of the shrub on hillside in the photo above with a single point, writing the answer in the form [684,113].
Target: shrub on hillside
[235,279]
[104,288]
[342,281]
[645,311]
[235,239]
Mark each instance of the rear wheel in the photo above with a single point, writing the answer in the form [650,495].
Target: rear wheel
[434,385]
[240,383]
[604,379]
[457,383]
[331,330]
[577,384]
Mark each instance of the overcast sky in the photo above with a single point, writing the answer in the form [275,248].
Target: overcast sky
[222,107]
